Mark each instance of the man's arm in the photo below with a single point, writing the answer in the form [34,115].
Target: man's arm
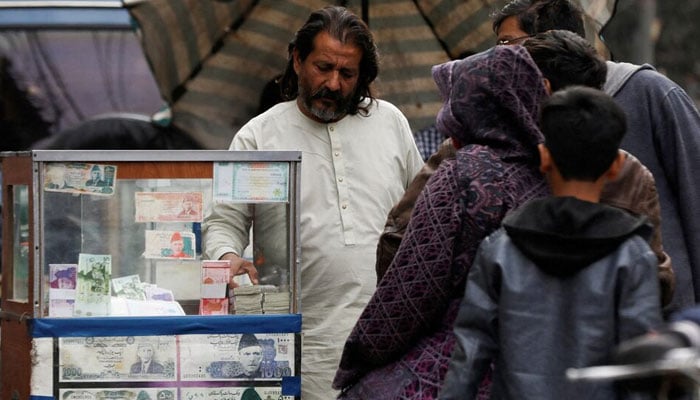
[634,190]
[226,230]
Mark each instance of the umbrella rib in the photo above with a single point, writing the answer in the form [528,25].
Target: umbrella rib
[430,25]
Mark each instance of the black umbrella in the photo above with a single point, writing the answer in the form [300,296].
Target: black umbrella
[212,58]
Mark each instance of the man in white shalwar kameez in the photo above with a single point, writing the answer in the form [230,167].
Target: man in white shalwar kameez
[358,157]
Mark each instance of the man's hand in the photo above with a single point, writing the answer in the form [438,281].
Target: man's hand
[239,266]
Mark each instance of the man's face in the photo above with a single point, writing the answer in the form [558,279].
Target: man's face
[327,78]
[187,205]
[177,246]
[65,283]
[250,358]
[510,32]
[146,353]
[95,175]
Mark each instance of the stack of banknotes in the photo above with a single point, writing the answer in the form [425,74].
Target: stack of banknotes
[260,299]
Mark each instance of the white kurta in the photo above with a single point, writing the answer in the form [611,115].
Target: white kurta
[352,172]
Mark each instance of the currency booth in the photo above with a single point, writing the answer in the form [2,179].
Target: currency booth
[106,293]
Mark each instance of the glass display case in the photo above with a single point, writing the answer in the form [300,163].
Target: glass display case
[104,258]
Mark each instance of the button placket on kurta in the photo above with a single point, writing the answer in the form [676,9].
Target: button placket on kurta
[341,184]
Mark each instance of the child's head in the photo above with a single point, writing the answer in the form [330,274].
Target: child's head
[582,129]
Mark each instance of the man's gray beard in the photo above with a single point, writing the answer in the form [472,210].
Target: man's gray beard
[325,114]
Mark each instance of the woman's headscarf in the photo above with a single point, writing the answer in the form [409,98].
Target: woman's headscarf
[491,98]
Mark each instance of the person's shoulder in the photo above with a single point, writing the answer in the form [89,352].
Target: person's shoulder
[381,105]
[636,248]
[645,76]
[274,113]
[280,113]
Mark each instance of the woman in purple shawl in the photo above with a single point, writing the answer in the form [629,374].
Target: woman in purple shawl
[400,347]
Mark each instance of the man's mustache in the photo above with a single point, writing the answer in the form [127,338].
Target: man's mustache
[327,94]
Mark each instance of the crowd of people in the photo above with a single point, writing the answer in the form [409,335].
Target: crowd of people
[552,223]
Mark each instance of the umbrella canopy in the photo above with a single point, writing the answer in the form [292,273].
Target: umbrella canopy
[212,58]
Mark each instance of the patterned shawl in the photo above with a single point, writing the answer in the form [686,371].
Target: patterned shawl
[400,346]
[491,98]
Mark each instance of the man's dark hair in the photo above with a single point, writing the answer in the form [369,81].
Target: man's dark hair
[343,25]
[582,129]
[535,16]
[566,59]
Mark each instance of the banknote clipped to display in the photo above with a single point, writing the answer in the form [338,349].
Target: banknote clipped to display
[84,178]
[168,206]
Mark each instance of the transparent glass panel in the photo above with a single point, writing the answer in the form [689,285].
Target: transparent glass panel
[20,244]
[151,231]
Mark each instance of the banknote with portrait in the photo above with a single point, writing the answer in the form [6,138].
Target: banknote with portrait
[93,179]
[117,358]
[62,282]
[118,394]
[233,393]
[168,206]
[219,356]
[129,287]
[170,245]
[92,293]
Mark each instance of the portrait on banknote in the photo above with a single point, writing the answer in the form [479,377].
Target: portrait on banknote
[62,276]
[169,244]
[94,179]
[263,356]
[168,206]
[118,358]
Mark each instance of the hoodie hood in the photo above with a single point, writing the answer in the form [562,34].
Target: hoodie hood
[619,73]
[562,235]
[492,98]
